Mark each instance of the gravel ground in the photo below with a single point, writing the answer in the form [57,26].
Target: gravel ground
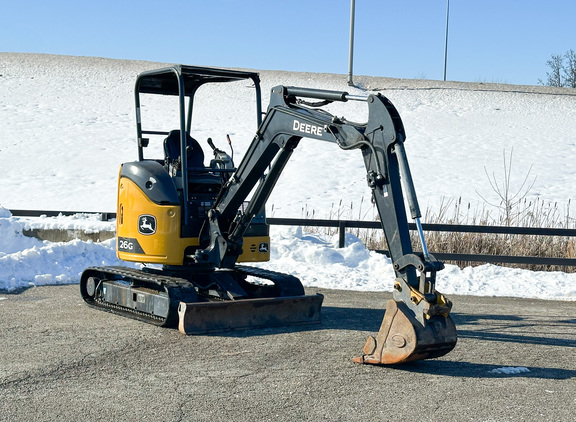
[61,360]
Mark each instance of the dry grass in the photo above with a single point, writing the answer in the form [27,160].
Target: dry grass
[523,214]
[512,209]
[538,214]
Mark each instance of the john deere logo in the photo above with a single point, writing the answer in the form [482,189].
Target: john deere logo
[147,224]
[263,247]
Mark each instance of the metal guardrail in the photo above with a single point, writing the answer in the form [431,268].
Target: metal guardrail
[105,216]
[425,226]
[343,224]
[493,259]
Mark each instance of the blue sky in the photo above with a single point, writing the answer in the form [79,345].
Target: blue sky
[506,41]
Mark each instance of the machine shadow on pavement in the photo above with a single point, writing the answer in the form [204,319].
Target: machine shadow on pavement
[516,329]
[480,370]
[481,326]
[333,318]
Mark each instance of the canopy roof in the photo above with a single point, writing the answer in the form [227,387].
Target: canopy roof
[165,81]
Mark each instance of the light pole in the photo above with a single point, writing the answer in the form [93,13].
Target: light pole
[351,53]
[446,41]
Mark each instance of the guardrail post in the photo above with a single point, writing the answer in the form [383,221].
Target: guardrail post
[341,234]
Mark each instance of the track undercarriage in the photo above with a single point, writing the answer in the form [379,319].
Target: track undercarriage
[201,302]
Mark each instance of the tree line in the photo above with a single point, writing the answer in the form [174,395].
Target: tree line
[562,70]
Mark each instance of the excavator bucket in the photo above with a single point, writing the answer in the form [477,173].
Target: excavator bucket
[402,338]
[205,317]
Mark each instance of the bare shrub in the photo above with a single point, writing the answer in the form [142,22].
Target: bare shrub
[512,209]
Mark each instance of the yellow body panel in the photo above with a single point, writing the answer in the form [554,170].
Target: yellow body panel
[150,233]
[164,246]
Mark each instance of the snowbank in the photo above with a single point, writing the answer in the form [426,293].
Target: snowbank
[313,258]
[26,261]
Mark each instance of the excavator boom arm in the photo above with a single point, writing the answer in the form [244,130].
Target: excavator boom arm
[285,124]
[417,323]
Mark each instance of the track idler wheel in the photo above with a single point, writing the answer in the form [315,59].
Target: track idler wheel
[402,338]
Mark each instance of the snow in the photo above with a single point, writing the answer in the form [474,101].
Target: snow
[26,261]
[68,122]
[510,370]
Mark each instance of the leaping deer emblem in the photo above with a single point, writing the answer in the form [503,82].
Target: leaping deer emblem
[147,224]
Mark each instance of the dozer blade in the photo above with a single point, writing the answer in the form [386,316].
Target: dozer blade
[205,317]
[403,339]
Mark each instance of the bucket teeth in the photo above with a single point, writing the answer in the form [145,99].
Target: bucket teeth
[402,338]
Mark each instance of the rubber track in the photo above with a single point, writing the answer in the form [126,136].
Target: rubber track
[288,284]
[178,289]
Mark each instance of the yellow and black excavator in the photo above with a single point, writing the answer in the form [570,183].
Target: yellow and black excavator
[195,223]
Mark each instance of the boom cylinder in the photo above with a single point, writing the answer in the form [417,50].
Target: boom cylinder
[320,94]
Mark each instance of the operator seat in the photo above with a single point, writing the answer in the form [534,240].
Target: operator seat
[194,153]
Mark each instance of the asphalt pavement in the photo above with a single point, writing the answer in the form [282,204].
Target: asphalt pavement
[61,360]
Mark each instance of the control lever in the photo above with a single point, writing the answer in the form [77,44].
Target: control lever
[211,143]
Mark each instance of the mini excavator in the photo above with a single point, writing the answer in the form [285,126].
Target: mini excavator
[195,226]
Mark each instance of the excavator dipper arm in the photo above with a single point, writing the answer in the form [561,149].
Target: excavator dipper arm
[417,323]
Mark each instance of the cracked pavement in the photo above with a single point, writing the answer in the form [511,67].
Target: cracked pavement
[61,360]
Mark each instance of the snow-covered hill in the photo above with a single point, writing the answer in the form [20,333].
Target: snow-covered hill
[66,123]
